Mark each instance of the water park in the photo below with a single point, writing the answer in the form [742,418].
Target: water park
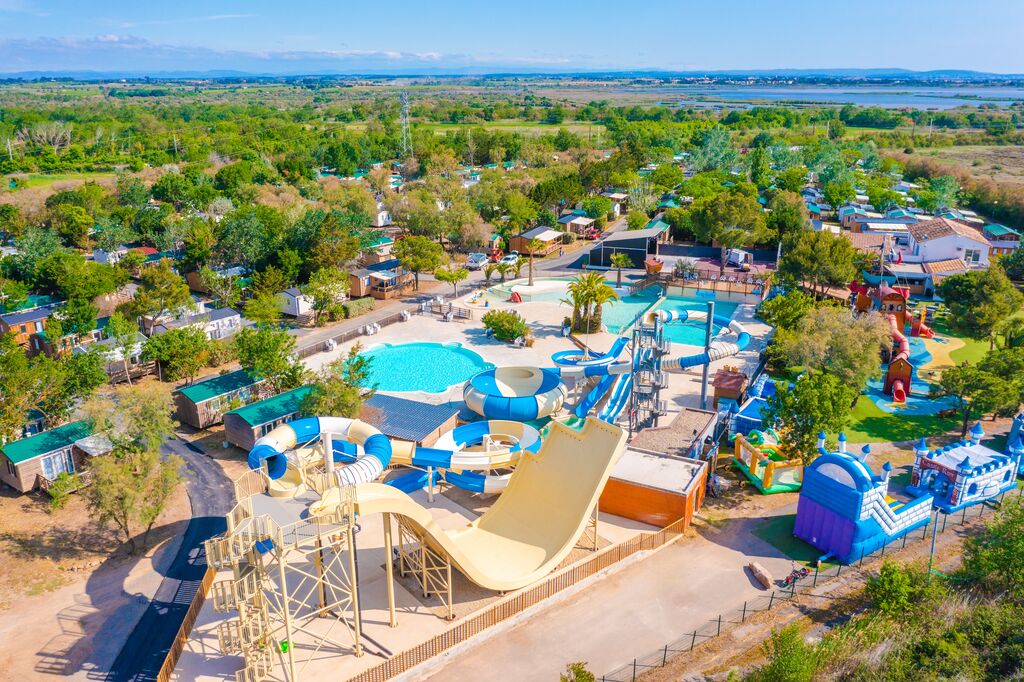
[359,545]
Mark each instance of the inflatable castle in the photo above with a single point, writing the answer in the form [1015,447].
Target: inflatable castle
[845,509]
[965,473]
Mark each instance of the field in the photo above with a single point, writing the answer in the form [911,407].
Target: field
[1004,164]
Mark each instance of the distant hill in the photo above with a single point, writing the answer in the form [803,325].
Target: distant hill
[838,75]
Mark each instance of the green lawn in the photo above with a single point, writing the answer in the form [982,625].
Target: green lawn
[778,532]
[42,179]
[869,424]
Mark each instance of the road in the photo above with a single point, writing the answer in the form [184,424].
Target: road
[211,496]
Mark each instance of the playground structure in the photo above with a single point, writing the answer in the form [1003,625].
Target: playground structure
[918,326]
[763,461]
[900,371]
[964,473]
[845,509]
[747,418]
[292,562]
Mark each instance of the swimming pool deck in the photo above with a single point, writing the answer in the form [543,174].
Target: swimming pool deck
[545,318]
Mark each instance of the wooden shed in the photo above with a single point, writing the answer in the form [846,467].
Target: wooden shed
[204,403]
[409,420]
[655,488]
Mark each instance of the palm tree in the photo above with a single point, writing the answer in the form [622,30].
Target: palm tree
[489,270]
[620,260]
[503,269]
[1012,331]
[602,294]
[534,246]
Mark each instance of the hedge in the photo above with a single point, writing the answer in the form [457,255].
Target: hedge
[357,307]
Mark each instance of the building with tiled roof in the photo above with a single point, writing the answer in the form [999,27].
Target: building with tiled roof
[940,239]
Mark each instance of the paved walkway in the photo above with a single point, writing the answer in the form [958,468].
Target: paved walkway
[211,495]
[631,612]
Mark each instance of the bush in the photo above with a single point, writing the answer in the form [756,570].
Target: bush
[61,489]
[506,325]
[357,307]
[222,351]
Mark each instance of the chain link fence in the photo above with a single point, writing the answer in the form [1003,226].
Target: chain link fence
[937,524]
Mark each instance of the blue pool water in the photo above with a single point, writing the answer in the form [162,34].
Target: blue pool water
[693,333]
[427,367]
[619,316]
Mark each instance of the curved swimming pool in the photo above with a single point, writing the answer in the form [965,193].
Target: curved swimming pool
[427,367]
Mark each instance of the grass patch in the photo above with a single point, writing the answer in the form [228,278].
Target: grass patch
[44,179]
[778,532]
[870,424]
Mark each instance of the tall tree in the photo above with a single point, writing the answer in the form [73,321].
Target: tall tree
[979,301]
[269,353]
[124,334]
[132,485]
[620,260]
[342,386]
[180,352]
[821,259]
[730,220]
[226,288]
[451,275]
[419,254]
[327,288]
[816,402]
[161,291]
[974,391]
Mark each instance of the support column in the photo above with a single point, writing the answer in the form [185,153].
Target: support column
[389,569]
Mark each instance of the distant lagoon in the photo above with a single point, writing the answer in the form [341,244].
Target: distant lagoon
[892,97]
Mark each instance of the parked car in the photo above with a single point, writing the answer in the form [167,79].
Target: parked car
[592,233]
[475,261]
[511,259]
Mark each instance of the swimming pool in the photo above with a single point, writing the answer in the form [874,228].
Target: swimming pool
[693,333]
[427,367]
[618,316]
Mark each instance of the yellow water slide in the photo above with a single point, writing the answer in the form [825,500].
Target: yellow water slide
[535,523]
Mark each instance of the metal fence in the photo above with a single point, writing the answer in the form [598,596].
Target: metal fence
[803,587]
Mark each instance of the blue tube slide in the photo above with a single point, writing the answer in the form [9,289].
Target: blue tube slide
[574,358]
[584,407]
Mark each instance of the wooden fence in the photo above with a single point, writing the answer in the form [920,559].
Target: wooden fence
[516,604]
[181,639]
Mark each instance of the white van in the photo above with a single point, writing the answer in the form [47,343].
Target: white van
[739,258]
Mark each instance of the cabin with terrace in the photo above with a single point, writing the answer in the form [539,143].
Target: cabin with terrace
[113,359]
[23,324]
[576,222]
[294,303]
[385,280]
[204,403]
[37,461]
[1004,240]
[551,240]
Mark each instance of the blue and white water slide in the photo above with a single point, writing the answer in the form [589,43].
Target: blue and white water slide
[365,452]
[616,376]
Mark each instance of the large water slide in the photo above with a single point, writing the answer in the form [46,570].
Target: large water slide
[533,526]
[899,391]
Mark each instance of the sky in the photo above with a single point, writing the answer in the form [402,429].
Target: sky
[454,36]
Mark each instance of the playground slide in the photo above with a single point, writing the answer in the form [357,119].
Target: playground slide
[533,526]
[899,393]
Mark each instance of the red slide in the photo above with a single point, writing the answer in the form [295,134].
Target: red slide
[925,331]
[899,393]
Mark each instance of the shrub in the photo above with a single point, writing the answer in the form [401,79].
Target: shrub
[506,325]
[357,307]
[61,489]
